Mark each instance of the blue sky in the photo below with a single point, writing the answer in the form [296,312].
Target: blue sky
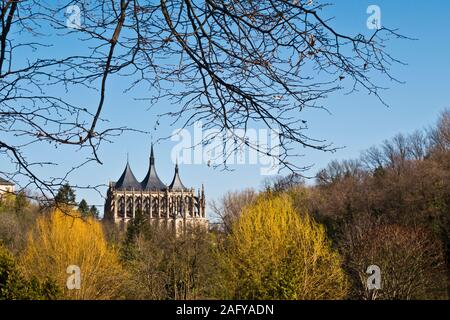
[356,122]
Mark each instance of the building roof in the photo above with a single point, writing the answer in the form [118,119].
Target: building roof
[176,183]
[151,180]
[127,180]
[4,182]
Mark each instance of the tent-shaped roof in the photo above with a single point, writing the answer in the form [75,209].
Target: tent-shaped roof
[151,180]
[176,183]
[127,180]
[4,182]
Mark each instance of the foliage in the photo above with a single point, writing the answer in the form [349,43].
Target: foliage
[61,240]
[404,183]
[86,211]
[411,262]
[17,217]
[65,196]
[230,206]
[389,208]
[14,286]
[164,264]
[93,212]
[83,208]
[275,253]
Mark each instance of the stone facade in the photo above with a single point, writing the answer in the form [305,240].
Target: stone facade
[174,205]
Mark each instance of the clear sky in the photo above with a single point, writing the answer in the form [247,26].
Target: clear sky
[356,122]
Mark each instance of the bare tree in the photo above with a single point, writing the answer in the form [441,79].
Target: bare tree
[417,145]
[440,134]
[231,64]
[30,111]
[373,158]
[283,183]
[228,209]
[411,262]
[335,171]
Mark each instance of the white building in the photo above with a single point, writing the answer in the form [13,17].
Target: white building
[6,186]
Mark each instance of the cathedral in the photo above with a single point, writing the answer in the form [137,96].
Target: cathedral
[173,205]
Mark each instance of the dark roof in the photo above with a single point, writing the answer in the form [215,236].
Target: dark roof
[5,182]
[176,182]
[127,180]
[151,180]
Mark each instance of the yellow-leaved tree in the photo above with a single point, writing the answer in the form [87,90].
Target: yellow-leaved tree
[274,252]
[61,240]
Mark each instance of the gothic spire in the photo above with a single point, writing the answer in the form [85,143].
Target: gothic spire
[127,180]
[151,180]
[152,156]
[176,181]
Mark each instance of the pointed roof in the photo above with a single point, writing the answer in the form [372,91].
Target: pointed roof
[151,180]
[176,183]
[4,182]
[127,180]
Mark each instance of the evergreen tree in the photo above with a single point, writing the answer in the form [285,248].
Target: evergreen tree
[21,202]
[14,286]
[83,208]
[93,212]
[65,195]
[135,228]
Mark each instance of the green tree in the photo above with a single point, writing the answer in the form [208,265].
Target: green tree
[83,208]
[13,285]
[166,265]
[21,202]
[65,196]
[17,217]
[60,240]
[135,229]
[275,253]
[93,212]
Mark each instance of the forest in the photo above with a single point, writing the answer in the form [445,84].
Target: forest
[292,240]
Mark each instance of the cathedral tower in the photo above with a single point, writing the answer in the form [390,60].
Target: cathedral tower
[174,205]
